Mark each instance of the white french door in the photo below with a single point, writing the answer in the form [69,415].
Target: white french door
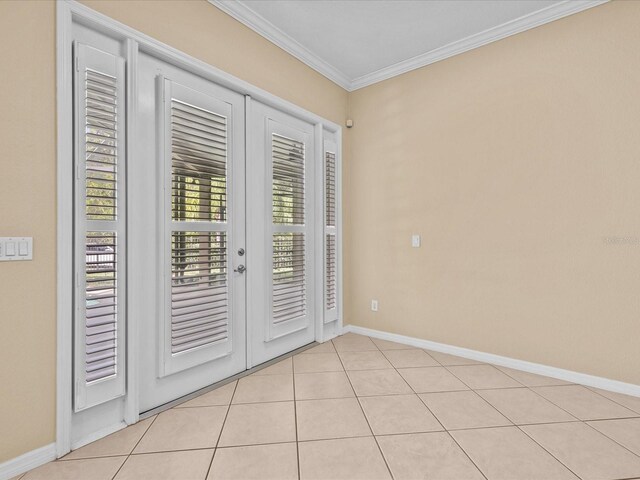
[280,228]
[219,301]
[192,131]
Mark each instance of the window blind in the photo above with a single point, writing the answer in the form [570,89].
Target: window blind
[100,238]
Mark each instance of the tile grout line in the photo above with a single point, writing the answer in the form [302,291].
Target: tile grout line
[357,397]
[585,422]
[437,419]
[566,384]
[564,410]
[574,416]
[611,438]
[552,455]
[513,423]
[134,447]
[508,419]
[323,439]
[224,421]
[611,399]
[295,415]
[450,436]
[384,459]
[471,388]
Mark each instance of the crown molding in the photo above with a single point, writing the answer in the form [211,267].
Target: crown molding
[255,22]
[248,17]
[518,25]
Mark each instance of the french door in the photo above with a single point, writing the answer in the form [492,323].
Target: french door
[280,227]
[230,233]
[192,134]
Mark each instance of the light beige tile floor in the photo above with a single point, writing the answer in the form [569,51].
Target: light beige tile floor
[361,408]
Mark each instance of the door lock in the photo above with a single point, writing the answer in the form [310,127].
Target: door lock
[240,269]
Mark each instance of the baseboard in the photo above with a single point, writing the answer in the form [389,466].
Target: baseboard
[537,368]
[27,461]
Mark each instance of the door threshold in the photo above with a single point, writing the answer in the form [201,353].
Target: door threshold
[233,378]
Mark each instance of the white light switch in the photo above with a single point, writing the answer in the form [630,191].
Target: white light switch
[415,241]
[16,248]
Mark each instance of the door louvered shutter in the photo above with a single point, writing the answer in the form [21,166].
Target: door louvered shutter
[289,251]
[331,232]
[289,299]
[198,297]
[100,222]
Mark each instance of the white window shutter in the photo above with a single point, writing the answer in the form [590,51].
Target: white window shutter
[100,235]
[197,295]
[331,274]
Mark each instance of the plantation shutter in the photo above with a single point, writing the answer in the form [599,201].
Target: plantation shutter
[198,302]
[289,200]
[331,232]
[100,236]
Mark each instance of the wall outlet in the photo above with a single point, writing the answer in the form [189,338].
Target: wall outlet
[415,241]
[374,305]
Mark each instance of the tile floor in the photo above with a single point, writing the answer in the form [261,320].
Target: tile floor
[361,408]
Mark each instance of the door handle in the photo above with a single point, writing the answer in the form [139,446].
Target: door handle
[240,269]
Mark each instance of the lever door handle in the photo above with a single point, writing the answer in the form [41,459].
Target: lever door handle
[240,269]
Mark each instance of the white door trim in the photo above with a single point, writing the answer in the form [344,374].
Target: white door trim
[68,12]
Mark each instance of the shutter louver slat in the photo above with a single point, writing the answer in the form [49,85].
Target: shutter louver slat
[289,301]
[199,164]
[330,287]
[330,189]
[101,146]
[101,304]
[331,259]
[199,297]
[288,181]
[289,282]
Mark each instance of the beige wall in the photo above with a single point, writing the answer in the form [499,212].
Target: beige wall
[27,208]
[28,178]
[513,161]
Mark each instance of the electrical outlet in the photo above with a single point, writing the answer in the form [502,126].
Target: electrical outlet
[374,305]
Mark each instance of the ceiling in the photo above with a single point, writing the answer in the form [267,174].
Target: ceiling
[357,43]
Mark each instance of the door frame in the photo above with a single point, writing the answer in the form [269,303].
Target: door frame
[68,14]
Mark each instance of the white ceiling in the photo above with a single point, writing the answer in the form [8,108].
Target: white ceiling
[359,42]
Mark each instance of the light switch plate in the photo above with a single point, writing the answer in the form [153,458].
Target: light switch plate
[15,249]
[415,241]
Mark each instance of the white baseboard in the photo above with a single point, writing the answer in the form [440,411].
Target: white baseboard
[27,461]
[537,368]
